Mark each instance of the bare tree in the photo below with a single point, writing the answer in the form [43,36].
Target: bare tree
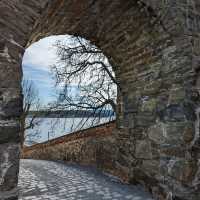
[82,64]
[29,118]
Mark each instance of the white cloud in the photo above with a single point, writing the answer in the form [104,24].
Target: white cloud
[36,66]
[42,54]
[38,59]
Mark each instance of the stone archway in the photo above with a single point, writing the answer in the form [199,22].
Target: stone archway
[154,48]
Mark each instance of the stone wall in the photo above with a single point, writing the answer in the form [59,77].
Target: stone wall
[16,21]
[95,146]
[154,48]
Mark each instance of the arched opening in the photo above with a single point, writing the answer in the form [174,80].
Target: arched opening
[68,85]
[153,47]
[81,95]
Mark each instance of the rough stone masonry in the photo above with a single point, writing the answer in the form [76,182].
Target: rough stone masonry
[94,146]
[154,48]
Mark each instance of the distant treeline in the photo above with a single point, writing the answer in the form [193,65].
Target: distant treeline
[71,114]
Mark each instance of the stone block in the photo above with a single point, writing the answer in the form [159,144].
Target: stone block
[176,133]
[9,132]
[152,89]
[172,113]
[189,133]
[156,134]
[11,109]
[149,105]
[143,149]
[151,167]
[129,120]
[173,151]
[144,120]
[172,133]
[177,95]
[9,166]
[183,170]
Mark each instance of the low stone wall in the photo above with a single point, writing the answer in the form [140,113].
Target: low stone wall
[94,146]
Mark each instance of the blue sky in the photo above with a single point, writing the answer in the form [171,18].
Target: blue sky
[36,66]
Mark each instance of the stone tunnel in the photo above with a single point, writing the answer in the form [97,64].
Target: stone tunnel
[154,48]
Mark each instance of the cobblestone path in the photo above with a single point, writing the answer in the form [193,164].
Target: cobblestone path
[42,180]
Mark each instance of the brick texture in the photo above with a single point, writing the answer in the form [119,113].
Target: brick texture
[94,146]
